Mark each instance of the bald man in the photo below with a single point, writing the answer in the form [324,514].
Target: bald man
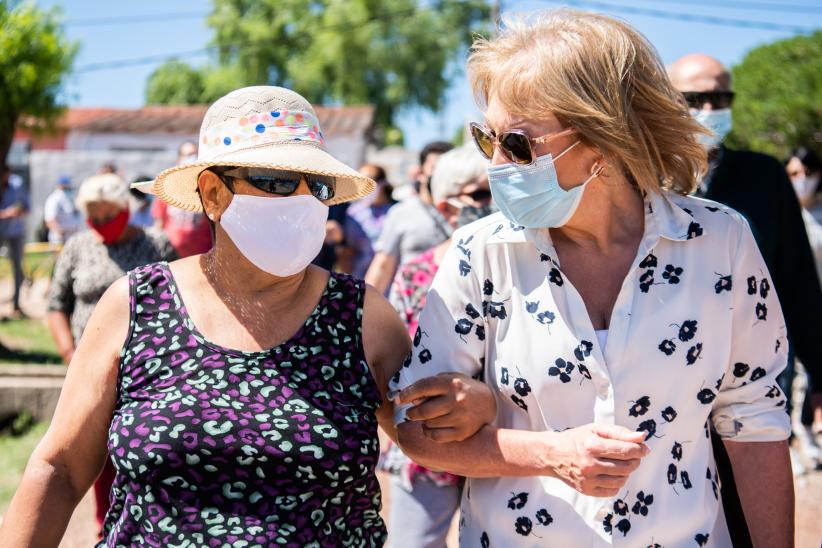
[757,186]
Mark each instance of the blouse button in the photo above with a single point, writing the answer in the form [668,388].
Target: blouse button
[603,511]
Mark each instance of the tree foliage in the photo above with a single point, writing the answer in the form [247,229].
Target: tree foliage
[778,103]
[175,83]
[35,57]
[388,53]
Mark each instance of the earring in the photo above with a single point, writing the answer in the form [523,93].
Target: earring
[211,216]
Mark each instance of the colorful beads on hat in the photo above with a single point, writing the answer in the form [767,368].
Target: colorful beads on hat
[278,125]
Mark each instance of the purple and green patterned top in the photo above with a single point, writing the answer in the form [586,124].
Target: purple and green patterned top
[219,447]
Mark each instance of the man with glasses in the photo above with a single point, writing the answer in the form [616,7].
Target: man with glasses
[756,185]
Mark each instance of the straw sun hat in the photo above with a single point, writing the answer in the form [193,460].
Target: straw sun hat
[264,127]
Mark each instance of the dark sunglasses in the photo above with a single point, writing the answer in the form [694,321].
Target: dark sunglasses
[717,99]
[515,144]
[479,195]
[281,183]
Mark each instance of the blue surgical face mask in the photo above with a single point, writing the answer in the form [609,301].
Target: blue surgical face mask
[719,122]
[531,196]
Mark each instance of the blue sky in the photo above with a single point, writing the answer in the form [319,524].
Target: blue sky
[185,31]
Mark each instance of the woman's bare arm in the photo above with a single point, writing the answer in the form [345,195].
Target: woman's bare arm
[386,344]
[69,457]
[60,327]
[762,473]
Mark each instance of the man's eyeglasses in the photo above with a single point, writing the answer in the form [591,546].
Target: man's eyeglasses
[717,99]
[515,144]
[281,183]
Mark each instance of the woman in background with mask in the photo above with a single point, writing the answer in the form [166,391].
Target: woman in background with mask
[88,264]
[423,501]
[805,169]
[612,314]
[238,392]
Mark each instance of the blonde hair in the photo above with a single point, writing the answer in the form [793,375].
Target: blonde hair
[107,187]
[602,77]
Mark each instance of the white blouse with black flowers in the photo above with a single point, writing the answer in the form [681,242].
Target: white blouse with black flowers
[696,334]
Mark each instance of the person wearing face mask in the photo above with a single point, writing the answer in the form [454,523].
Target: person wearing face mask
[364,223]
[238,392]
[60,213]
[423,501]
[756,186]
[412,226]
[610,311]
[89,263]
[804,169]
[188,231]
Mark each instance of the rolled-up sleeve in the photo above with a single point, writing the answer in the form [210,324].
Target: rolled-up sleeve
[452,329]
[750,405]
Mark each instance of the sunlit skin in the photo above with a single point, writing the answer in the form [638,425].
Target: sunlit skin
[699,72]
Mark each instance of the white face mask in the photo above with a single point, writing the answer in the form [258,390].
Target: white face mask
[805,186]
[280,236]
[719,122]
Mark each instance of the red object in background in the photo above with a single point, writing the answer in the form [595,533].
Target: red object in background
[113,229]
[188,232]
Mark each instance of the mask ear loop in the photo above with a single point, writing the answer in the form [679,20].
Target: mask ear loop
[561,154]
[597,172]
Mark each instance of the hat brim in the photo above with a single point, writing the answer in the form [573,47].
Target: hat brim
[146,187]
[178,185]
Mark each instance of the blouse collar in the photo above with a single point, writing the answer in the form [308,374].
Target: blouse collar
[664,218]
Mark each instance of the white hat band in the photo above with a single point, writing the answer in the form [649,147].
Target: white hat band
[276,126]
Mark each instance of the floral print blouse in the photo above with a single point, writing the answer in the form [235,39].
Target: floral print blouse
[411,285]
[696,336]
[408,292]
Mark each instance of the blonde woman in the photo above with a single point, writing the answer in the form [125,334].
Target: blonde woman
[615,317]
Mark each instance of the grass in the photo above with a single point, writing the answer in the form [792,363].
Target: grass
[27,341]
[35,265]
[14,454]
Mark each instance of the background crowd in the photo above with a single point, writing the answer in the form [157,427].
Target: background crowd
[103,227]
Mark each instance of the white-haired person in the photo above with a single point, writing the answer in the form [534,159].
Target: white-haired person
[424,501]
[613,315]
[88,264]
[238,392]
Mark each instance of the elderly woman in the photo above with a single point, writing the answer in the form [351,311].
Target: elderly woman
[238,392]
[615,317]
[423,501]
[89,264]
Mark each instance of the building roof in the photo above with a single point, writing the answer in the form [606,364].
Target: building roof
[186,120]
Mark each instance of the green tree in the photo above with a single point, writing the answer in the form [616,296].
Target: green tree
[175,83]
[35,57]
[778,103]
[392,54]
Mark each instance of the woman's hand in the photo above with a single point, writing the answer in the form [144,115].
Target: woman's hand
[449,406]
[596,459]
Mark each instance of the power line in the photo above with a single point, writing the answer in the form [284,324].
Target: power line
[689,17]
[134,19]
[753,6]
[344,27]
